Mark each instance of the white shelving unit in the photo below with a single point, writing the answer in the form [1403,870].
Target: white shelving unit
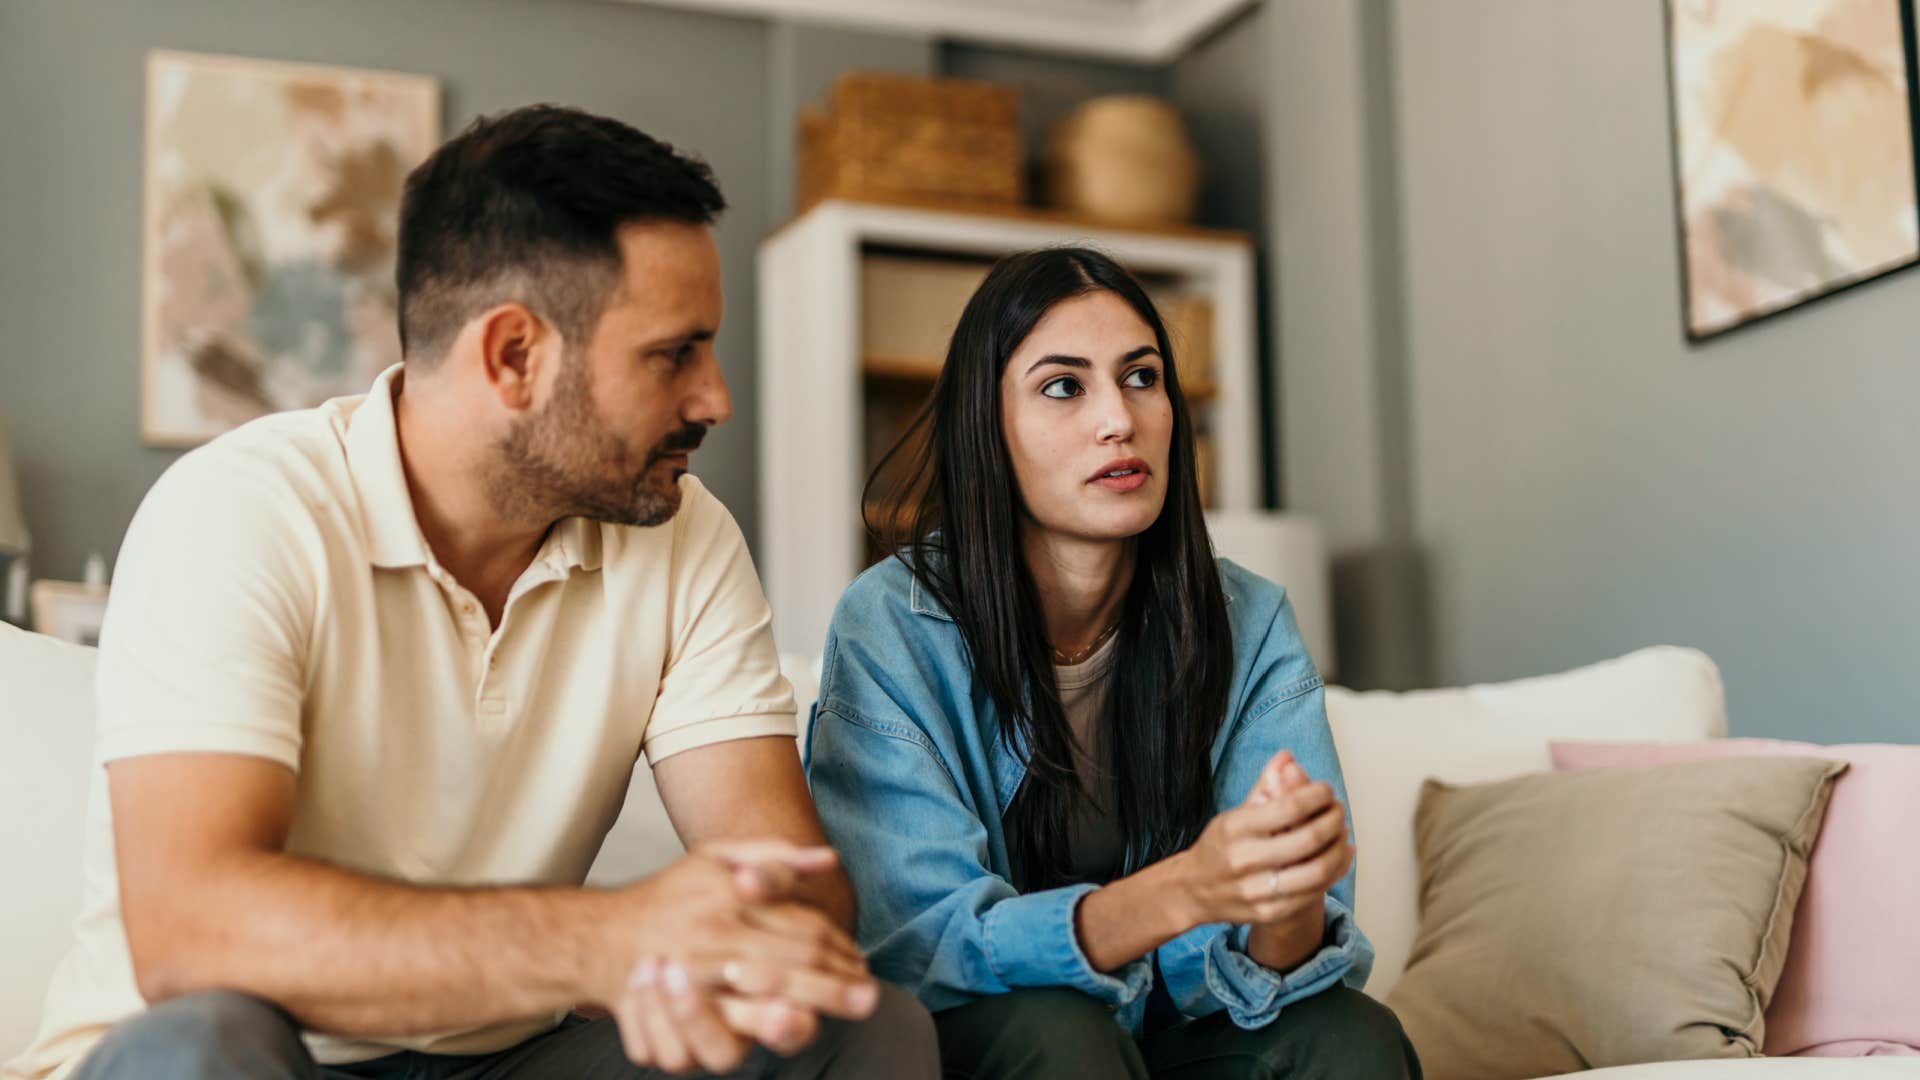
[812,387]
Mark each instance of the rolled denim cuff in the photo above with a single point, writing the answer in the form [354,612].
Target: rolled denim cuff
[1031,941]
[1254,994]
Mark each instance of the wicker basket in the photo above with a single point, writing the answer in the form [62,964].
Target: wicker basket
[1125,158]
[901,138]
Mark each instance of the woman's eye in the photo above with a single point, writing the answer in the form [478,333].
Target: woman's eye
[1140,379]
[1066,386]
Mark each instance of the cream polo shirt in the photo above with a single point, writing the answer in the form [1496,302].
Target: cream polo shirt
[275,598]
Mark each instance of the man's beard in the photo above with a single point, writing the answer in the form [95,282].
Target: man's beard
[562,462]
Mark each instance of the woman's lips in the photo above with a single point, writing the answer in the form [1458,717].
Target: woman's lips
[1130,482]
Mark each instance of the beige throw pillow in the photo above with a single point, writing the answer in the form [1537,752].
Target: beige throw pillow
[1610,917]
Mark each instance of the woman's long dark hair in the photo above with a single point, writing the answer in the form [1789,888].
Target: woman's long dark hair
[945,500]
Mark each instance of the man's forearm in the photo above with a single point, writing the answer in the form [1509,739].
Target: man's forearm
[347,953]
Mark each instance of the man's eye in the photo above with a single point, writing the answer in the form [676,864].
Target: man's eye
[1066,386]
[1140,379]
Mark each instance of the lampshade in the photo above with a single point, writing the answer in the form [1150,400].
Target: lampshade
[1287,549]
[13,527]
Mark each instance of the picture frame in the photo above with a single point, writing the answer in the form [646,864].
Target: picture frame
[70,611]
[1796,152]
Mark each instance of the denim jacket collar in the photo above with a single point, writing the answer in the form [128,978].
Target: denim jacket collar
[923,602]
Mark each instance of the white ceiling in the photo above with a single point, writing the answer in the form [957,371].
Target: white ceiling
[1152,31]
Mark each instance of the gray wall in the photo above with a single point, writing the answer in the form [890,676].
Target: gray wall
[1483,388]
[71,116]
[1584,481]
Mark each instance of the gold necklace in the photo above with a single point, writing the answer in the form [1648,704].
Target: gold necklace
[1061,659]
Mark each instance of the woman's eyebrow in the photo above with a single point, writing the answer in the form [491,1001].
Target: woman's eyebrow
[1062,360]
[1081,362]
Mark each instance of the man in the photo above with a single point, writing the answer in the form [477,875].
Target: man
[375,677]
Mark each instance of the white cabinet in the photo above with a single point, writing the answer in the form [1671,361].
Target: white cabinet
[815,386]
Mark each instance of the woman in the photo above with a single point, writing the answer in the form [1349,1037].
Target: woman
[1080,771]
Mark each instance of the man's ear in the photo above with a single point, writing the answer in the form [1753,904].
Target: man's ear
[513,344]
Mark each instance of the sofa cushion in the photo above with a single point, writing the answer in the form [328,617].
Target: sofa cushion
[46,741]
[1852,981]
[1390,742]
[1608,916]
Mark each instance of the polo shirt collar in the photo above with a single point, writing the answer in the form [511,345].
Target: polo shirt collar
[573,544]
[393,533]
[394,539]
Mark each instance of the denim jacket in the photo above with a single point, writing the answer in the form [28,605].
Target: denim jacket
[912,777]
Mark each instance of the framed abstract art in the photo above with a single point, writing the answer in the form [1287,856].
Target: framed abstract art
[1794,151]
[272,200]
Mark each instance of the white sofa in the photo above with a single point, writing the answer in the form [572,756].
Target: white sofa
[1388,743]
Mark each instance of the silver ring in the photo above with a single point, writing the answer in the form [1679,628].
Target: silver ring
[1274,886]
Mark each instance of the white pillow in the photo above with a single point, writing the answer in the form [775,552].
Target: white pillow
[1390,742]
[46,754]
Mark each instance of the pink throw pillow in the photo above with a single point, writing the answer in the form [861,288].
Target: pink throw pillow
[1851,987]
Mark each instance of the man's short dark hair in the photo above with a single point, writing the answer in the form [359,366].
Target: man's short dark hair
[525,206]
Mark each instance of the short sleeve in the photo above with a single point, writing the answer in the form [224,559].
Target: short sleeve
[722,679]
[208,619]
